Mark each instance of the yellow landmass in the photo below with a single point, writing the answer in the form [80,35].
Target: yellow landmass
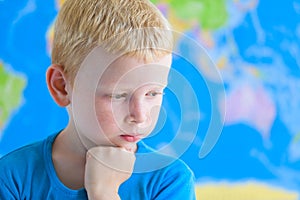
[207,39]
[177,23]
[254,71]
[50,32]
[50,36]
[246,191]
[59,3]
[222,62]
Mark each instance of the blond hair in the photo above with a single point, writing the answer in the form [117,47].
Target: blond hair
[135,27]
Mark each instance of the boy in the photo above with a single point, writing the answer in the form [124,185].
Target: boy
[110,63]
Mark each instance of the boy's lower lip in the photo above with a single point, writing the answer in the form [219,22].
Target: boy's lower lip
[131,138]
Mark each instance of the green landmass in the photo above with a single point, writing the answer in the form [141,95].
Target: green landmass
[210,14]
[155,1]
[297,138]
[11,89]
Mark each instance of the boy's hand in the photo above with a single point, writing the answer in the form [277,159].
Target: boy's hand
[106,169]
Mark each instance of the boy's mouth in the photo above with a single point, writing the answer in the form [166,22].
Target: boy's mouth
[131,138]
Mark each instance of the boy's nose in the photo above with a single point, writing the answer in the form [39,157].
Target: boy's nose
[138,111]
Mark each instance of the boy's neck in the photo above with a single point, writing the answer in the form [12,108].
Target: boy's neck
[69,162]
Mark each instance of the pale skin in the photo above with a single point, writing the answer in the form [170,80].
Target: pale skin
[127,102]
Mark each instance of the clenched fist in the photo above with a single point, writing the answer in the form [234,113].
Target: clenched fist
[105,170]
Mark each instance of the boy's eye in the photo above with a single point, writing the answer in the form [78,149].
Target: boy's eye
[153,93]
[118,96]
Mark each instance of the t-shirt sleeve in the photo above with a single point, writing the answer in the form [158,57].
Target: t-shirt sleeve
[177,183]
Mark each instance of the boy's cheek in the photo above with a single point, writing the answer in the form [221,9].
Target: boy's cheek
[155,110]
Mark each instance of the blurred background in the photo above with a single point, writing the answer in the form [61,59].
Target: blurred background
[254,93]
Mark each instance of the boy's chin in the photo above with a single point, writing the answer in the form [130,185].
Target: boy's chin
[131,147]
[89,143]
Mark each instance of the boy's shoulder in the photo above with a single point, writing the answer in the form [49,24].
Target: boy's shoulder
[25,167]
[26,173]
[31,150]
[25,156]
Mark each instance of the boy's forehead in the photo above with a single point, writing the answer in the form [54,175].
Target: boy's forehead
[131,71]
[101,67]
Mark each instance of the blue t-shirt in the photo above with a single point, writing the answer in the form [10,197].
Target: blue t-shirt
[28,173]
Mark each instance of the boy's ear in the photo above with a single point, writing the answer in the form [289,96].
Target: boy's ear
[57,85]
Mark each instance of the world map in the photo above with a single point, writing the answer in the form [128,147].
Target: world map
[255,46]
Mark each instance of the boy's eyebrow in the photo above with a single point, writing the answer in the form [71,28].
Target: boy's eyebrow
[120,88]
[161,86]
